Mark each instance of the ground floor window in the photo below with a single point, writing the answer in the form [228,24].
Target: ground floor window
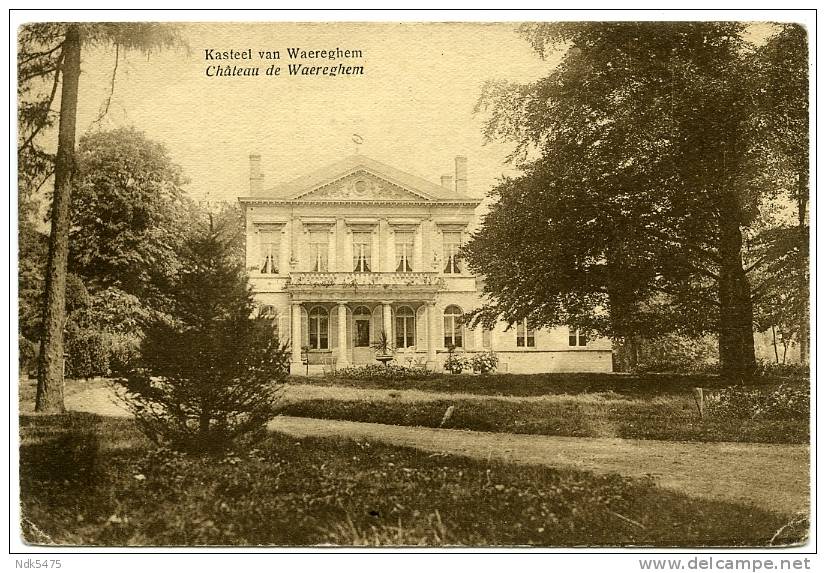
[318,328]
[576,337]
[453,326]
[525,334]
[486,338]
[405,327]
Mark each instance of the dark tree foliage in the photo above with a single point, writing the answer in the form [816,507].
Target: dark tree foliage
[780,254]
[213,376]
[129,216]
[637,156]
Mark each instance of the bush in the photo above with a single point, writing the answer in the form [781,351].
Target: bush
[389,372]
[675,353]
[124,353]
[786,401]
[774,369]
[27,356]
[455,363]
[211,378]
[87,352]
[484,362]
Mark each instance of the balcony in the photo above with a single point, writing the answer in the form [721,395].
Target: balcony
[400,286]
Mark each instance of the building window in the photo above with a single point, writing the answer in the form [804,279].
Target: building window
[319,250]
[361,330]
[453,326]
[268,251]
[576,337]
[486,333]
[318,328]
[452,242]
[361,251]
[405,327]
[404,252]
[268,314]
[525,334]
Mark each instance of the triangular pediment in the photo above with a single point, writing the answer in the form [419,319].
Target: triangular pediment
[361,185]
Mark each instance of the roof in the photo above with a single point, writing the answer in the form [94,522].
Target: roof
[305,184]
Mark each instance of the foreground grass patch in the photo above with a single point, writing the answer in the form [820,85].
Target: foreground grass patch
[87,480]
[669,417]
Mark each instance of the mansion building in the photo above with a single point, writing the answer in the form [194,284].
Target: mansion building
[358,248]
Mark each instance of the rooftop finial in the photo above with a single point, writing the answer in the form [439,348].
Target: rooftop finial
[358,140]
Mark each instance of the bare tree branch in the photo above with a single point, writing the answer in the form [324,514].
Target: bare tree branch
[34,56]
[108,101]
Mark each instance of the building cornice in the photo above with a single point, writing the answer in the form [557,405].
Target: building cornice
[399,202]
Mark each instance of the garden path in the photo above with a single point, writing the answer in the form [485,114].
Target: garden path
[772,476]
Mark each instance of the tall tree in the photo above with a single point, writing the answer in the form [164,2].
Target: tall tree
[54,51]
[782,123]
[633,152]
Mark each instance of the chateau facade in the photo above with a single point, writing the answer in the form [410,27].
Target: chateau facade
[360,248]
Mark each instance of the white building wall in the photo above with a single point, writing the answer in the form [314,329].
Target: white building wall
[551,353]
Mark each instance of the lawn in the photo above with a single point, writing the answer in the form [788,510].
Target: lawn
[89,480]
[541,384]
[651,407]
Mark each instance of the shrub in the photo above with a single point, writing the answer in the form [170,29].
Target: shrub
[786,401]
[210,378]
[27,356]
[676,353]
[774,369]
[389,372]
[484,362]
[124,353]
[455,363]
[87,352]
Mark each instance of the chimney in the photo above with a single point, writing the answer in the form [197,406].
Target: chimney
[461,175]
[256,177]
[447,182]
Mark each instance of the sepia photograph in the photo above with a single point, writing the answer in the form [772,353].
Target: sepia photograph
[413,284]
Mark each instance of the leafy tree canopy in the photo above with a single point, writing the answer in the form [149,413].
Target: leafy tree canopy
[638,162]
[129,212]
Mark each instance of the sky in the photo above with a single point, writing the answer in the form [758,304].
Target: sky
[413,107]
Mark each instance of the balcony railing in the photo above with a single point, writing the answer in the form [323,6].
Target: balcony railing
[349,279]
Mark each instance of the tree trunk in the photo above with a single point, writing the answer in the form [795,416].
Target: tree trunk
[736,341]
[802,200]
[50,363]
[774,343]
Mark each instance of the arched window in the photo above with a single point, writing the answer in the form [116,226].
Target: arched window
[318,328]
[453,326]
[405,327]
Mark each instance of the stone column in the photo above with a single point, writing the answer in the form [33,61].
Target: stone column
[432,333]
[343,359]
[387,322]
[295,336]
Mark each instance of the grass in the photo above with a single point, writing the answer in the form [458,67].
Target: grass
[88,480]
[543,384]
[669,417]
[27,390]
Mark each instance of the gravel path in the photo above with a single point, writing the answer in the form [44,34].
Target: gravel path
[772,476]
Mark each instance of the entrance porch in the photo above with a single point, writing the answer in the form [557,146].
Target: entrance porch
[343,333]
